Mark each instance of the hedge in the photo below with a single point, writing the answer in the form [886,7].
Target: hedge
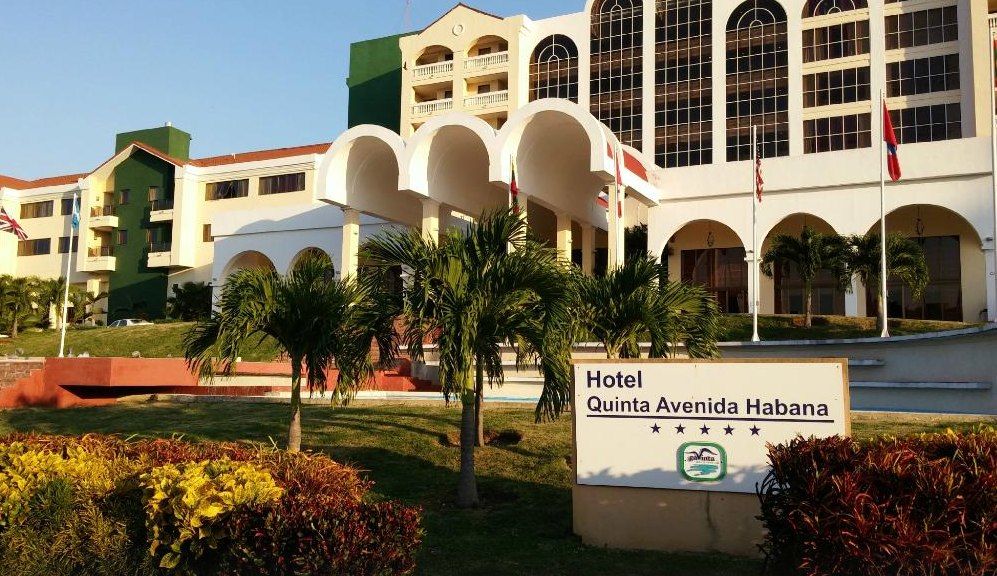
[924,505]
[106,506]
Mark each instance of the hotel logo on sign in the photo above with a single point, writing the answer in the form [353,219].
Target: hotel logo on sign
[702,461]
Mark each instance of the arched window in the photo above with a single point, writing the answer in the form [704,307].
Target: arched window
[683,83]
[617,67]
[824,7]
[757,80]
[554,69]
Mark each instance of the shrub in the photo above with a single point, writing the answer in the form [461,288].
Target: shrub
[924,505]
[103,505]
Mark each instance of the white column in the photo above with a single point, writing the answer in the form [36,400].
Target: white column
[588,249]
[431,220]
[564,236]
[988,256]
[616,234]
[852,299]
[351,242]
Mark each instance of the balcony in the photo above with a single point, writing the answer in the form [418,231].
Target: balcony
[432,107]
[101,259]
[160,254]
[161,210]
[489,100]
[435,71]
[103,217]
[486,63]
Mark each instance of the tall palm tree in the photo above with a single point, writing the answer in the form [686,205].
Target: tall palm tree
[905,262]
[631,303]
[472,292]
[50,295]
[81,303]
[18,296]
[315,318]
[809,253]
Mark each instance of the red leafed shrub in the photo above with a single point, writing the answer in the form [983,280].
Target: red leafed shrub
[323,522]
[920,505]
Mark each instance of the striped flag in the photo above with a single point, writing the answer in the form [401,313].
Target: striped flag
[617,156]
[514,188]
[76,212]
[8,224]
[890,136]
[759,181]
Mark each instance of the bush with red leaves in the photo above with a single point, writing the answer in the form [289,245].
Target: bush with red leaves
[920,505]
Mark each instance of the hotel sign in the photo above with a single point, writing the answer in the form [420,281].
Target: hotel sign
[699,425]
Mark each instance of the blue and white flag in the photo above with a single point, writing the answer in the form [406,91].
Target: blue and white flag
[76,213]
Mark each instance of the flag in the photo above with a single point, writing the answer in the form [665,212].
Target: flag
[617,155]
[890,137]
[759,181]
[8,224]
[514,189]
[76,213]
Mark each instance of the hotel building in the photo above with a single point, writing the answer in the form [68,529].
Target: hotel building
[437,116]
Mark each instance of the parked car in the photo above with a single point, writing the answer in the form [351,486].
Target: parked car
[128,322]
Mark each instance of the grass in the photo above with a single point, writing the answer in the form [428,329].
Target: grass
[166,340]
[524,524]
[153,341]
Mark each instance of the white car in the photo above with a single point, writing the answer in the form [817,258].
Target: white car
[128,322]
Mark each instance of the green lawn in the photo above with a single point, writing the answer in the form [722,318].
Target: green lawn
[524,525]
[165,340]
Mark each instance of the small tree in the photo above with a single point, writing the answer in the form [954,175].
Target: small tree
[810,253]
[631,303]
[190,301]
[81,303]
[18,298]
[905,262]
[50,294]
[316,320]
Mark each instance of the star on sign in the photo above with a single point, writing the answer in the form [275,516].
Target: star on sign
[755,430]
[705,430]
[680,429]
[729,430]
[656,429]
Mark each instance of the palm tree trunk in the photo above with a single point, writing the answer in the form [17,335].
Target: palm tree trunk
[13,329]
[809,317]
[294,429]
[467,484]
[479,393]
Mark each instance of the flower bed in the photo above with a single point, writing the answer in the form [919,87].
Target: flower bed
[102,505]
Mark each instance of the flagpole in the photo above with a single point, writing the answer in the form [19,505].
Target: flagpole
[884,294]
[65,297]
[993,151]
[754,235]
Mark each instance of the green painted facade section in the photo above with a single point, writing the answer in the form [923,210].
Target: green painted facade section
[137,291]
[375,83]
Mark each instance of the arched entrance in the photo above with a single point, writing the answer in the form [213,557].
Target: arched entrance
[711,254]
[784,292]
[248,260]
[309,252]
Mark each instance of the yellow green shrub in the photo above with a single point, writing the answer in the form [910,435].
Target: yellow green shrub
[186,505]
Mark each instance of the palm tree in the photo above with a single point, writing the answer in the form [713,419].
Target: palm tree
[472,292]
[18,296]
[905,262]
[81,303]
[631,303]
[810,253]
[50,294]
[190,301]
[315,318]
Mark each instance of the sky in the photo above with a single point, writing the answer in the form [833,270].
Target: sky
[238,76]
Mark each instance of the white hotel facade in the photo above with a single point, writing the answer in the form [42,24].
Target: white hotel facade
[679,83]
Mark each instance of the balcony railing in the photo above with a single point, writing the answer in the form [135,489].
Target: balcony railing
[432,107]
[486,62]
[161,204]
[101,251]
[98,211]
[487,100]
[433,70]
[158,247]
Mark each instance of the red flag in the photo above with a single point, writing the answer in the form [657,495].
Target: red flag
[890,137]
[8,224]
[514,189]
[759,181]
[619,182]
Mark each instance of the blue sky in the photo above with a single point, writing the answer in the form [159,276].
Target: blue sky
[237,75]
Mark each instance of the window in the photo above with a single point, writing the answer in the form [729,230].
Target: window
[64,244]
[37,209]
[837,133]
[283,183]
[554,69]
[227,189]
[923,75]
[617,68]
[159,238]
[66,207]
[723,272]
[155,193]
[942,298]
[124,197]
[35,247]
[927,123]
[484,88]
[922,28]
[836,87]
[838,41]
[790,292]
[683,83]
[206,234]
[757,80]
[814,8]
[122,237]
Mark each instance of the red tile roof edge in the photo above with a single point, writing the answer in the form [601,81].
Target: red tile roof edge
[18,184]
[257,155]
